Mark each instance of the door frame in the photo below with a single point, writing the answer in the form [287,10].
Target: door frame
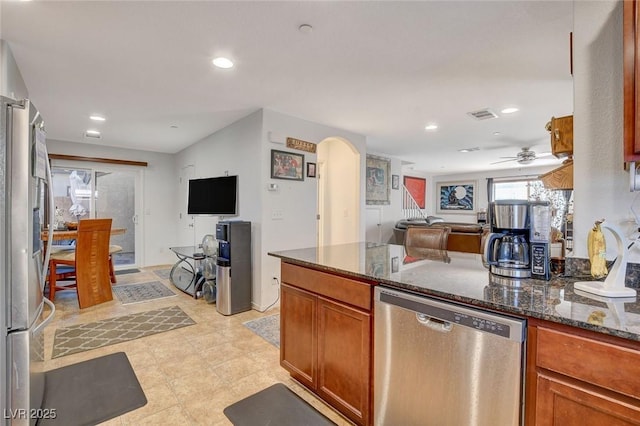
[138,219]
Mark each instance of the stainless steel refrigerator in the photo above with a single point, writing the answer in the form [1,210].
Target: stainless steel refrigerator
[24,187]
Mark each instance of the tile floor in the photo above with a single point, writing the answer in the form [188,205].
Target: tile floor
[191,374]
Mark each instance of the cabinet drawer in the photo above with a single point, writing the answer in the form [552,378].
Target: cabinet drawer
[355,293]
[603,364]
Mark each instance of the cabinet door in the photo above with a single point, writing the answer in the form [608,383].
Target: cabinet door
[631,38]
[562,136]
[569,403]
[297,334]
[344,359]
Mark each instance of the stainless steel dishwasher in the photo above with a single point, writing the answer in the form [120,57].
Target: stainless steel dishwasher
[440,363]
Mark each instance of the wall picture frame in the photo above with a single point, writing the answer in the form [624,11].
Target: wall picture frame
[377,259]
[378,180]
[287,165]
[395,264]
[456,197]
[311,170]
[417,187]
[395,182]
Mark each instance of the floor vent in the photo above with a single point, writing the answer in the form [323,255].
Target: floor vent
[483,114]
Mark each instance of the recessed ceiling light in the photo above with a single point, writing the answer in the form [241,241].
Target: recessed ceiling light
[97,117]
[497,133]
[92,134]
[223,62]
[509,110]
[173,126]
[431,127]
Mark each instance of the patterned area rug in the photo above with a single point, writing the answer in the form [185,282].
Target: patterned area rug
[136,293]
[84,337]
[266,327]
[162,273]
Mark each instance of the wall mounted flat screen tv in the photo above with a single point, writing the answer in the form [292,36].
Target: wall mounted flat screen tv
[216,196]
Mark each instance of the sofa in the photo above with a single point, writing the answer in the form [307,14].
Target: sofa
[464,237]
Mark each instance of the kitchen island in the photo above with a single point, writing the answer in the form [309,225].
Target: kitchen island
[583,352]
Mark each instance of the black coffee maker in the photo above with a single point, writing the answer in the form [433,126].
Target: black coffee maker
[506,250]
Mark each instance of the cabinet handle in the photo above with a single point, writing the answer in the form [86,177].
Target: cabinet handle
[556,132]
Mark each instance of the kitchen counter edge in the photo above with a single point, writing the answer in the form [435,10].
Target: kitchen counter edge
[518,311]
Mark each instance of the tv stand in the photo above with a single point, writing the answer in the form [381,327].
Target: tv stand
[186,274]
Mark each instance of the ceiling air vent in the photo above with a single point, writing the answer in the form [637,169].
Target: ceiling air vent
[92,134]
[483,114]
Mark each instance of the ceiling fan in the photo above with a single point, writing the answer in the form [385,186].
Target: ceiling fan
[525,156]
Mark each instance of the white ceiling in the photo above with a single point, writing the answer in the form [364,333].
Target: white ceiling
[380,69]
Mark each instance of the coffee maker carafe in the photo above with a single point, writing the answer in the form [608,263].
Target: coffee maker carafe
[506,249]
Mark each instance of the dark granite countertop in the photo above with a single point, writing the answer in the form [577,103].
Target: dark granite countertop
[462,277]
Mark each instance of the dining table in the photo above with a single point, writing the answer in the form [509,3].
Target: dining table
[72,234]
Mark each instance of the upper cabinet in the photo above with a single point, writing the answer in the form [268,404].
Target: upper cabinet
[561,130]
[631,82]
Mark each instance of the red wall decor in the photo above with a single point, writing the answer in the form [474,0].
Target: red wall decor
[417,187]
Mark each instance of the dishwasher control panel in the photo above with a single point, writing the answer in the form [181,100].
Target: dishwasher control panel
[447,312]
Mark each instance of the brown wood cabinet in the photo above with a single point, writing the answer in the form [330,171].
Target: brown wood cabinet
[631,81]
[298,334]
[581,379]
[561,129]
[326,338]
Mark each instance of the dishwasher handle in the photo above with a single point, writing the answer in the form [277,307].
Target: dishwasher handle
[434,324]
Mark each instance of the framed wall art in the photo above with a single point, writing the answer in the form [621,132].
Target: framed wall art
[377,260]
[395,264]
[378,177]
[287,165]
[417,187]
[395,182]
[311,170]
[456,197]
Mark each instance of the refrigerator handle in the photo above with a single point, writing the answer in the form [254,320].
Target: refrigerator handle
[52,212]
[47,320]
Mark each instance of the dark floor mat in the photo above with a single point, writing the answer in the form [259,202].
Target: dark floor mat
[93,391]
[275,405]
[127,271]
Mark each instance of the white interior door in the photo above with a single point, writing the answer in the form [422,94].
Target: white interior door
[187,226]
[373,231]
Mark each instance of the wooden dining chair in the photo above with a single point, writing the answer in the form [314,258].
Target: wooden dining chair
[113,249]
[89,264]
[422,240]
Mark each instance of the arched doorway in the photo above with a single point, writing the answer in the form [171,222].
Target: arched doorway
[338,192]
